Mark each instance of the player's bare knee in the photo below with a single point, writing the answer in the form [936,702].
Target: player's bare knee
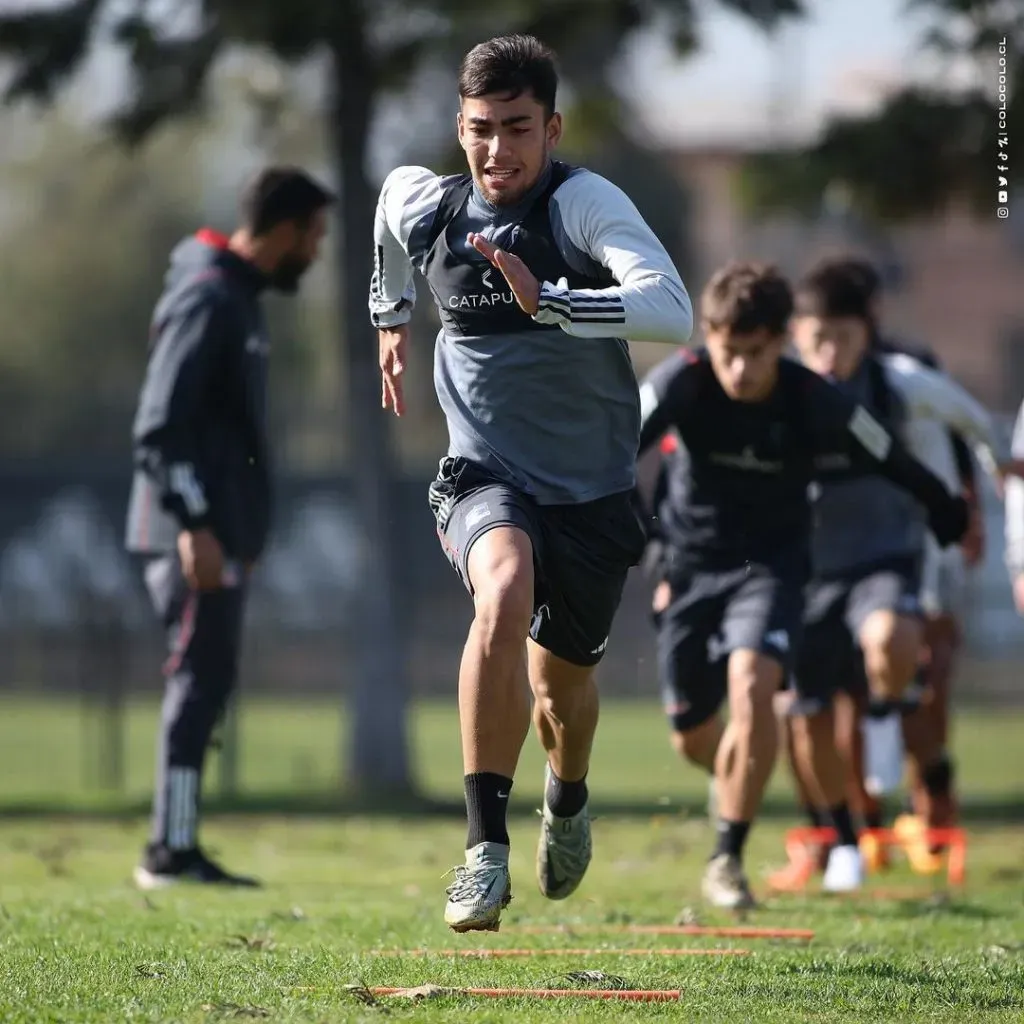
[503,609]
[892,646]
[504,605]
[817,729]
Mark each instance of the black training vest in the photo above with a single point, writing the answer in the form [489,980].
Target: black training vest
[472,296]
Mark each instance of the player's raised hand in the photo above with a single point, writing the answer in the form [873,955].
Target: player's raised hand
[525,287]
[392,343]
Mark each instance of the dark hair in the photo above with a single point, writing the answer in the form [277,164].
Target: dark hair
[835,288]
[280,194]
[511,65]
[746,297]
[865,271]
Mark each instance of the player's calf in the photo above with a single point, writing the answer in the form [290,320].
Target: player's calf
[699,745]
[933,792]
[824,772]
[565,716]
[745,762]
[746,756]
[494,717]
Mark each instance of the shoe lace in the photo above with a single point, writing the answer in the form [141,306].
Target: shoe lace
[469,884]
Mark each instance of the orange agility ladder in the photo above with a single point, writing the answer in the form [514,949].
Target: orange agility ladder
[801,844]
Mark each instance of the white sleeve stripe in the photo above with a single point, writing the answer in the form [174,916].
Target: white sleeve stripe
[597,299]
[875,439]
[586,307]
[560,305]
[183,482]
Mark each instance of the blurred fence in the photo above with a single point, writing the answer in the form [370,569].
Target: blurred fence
[74,616]
[75,622]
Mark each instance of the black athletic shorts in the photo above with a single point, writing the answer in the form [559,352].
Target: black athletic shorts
[581,553]
[756,607]
[830,657]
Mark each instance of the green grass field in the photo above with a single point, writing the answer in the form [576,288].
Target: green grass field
[77,943]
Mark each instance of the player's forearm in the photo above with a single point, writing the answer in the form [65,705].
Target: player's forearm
[917,479]
[407,195]
[656,308]
[392,290]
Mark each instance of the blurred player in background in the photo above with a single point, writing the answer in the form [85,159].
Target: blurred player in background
[943,594]
[944,573]
[199,512]
[864,606]
[943,587]
[734,522]
[539,271]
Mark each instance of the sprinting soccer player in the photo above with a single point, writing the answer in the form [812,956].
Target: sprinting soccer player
[539,271]
[736,518]
[863,617]
[199,512]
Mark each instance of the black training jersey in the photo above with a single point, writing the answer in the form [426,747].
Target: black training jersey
[737,490]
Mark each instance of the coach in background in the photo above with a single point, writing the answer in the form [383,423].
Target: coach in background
[1015,518]
[199,511]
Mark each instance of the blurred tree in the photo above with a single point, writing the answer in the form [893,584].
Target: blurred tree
[371,47]
[87,230]
[84,254]
[924,146]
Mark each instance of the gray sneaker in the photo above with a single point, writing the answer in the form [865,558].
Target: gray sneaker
[564,850]
[725,885]
[481,890]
